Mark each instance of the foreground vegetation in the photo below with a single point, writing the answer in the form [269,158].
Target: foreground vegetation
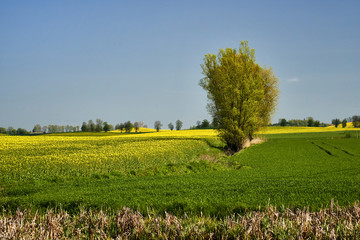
[172,173]
[333,223]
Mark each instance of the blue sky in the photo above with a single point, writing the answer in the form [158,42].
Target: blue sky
[65,62]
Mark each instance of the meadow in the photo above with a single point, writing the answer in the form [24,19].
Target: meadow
[180,172]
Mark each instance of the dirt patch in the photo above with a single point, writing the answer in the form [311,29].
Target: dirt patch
[248,143]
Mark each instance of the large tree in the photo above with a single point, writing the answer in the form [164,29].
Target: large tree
[242,95]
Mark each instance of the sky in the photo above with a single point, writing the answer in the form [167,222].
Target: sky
[66,62]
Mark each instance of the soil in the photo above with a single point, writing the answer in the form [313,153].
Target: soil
[254,141]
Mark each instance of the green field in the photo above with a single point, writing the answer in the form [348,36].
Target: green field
[179,174]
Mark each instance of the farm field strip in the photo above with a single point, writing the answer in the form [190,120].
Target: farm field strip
[174,172]
[280,130]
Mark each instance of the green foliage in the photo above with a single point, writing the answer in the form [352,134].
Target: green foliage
[128,126]
[85,127]
[99,125]
[356,121]
[336,122]
[171,126]
[205,124]
[136,126]
[2,130]
[179,124]
[106,127]
[242,94]
[157,125]
[121,127]
[91,126]
[21,131]
[37,128]
[344,122]
[310,121]
[282,122]
[316,123]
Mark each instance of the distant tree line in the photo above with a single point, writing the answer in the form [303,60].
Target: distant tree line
[308,122]
[128,126]
[13,131]
[38,129]
[205,124]
[89,126]
[354,119]
[97,126]
[178,125]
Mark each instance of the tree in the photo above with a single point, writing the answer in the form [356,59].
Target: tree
[67,128]
[99,125]
[178,124]
[242,95]
[356,121]
[2,130]
[91,126]
[106,127]
[128,126]
[121,127]
[84,127]
[171,126]
[157,125]
[316,123]
[37,128]
[21,131]
[282,122]
[310,121]
[344,122]
[205,124]
[136,126]
[336,122]
[11,131]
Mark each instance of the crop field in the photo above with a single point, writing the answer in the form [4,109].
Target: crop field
[179,172]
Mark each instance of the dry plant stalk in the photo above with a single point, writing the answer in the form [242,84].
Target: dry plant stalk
[333,223]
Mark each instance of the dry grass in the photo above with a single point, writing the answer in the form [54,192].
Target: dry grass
[333,223]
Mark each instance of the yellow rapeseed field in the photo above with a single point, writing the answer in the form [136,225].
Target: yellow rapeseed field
[56,155]
[276,130]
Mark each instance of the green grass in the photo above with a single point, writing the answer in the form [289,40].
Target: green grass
[288,170]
